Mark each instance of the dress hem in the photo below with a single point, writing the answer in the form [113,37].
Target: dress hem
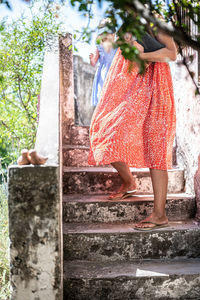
[141,166]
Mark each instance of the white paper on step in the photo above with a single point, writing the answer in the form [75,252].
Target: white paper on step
[142,273]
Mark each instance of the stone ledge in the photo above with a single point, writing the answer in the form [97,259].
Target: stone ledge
[164,280]
[142,268]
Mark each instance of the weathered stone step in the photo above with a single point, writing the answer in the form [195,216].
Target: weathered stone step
[96,180]
[75,135]
[145,280]
[75,155]
[109,242]
[97,208]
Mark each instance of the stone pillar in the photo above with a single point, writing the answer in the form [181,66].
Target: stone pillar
[34,230]
[35,201]
[66,80]
[197,190]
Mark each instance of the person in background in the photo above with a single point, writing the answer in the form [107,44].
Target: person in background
[104,54]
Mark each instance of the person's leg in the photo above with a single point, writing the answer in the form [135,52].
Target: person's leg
[160,182]
[126,176]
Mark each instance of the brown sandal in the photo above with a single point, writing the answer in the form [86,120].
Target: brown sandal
[156,226]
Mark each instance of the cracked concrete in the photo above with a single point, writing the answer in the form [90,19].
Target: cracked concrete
[34,233]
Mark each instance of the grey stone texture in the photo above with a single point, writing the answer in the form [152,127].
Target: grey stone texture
[34,231]
[113,242]
[142,280]
[97,208]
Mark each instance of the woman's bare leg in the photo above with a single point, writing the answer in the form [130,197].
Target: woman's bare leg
[160,182]
[126,176]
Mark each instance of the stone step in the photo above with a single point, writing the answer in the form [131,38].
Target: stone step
[145,280]
[96,180]
[110,242]
[97,208]
[75,135]
[75,155]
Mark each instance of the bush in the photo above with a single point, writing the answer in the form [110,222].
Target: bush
[22,47]
[4,243]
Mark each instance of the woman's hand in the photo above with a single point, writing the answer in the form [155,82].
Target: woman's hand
[166,54]
[94,58]
[91,56]
[139,47]
[92,62]
[141,52]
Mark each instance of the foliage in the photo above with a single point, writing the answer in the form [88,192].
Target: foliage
[136,15]
[4,243]
[22,45]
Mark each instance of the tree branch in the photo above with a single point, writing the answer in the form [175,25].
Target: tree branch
[185,63]
[9,129]
[177,34]
[24,105]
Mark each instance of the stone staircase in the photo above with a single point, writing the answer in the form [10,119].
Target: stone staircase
[104,257]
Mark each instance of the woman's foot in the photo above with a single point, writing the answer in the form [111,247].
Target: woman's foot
[122,192]
[152,222]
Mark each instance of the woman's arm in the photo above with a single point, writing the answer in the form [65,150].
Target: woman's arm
[94,58]
[168,53]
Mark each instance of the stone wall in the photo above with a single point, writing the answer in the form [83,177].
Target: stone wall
[83,80]
[188,122]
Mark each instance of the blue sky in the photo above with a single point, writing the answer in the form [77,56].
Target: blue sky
[71,17]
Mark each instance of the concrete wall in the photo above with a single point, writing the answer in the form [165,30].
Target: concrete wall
[188,122]
[34,222]
[83,81]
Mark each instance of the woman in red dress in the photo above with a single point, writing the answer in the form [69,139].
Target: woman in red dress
[134,124]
